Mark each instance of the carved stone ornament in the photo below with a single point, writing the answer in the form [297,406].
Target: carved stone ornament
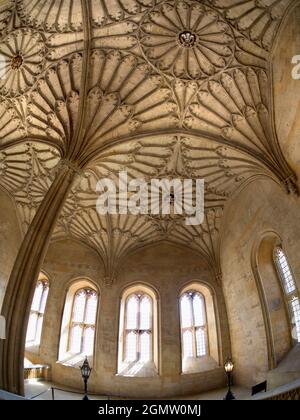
[22,56]
[187,39]
[104,86]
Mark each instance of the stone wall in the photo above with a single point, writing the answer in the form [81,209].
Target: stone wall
[247,219]
[272,298]
[167,269]
[10,240]
[264,207]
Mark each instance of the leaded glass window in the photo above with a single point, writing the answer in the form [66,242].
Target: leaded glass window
[83,322]
[193,325]
[37,312]
[138,328]
[290,290]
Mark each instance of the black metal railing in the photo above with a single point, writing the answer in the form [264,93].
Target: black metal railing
[53,389]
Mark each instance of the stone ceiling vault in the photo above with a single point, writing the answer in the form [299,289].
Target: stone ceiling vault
[161,88]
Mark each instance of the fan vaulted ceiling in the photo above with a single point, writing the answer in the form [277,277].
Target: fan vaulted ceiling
[160,88]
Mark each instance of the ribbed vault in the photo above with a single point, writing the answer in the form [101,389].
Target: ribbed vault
[160,88]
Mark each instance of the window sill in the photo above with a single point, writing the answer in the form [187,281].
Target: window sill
[198,365]
[74,361]
[138,370]
[32,348]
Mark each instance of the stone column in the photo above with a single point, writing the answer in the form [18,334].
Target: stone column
[20,289]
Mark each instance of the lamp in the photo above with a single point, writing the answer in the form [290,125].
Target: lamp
[85,373]
[229,366]
[2,328]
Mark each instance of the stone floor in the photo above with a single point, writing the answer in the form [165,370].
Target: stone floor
[34,388]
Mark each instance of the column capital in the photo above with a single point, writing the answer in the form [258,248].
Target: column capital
[71,165]
[292,185]
[108,281]
[219,277]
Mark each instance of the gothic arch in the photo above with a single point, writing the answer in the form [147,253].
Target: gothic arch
[64,355]
[152,367]
[269,288]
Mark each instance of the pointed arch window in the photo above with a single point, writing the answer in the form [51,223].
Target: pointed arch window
[78,327]
[37,312]
[290,291]
[193,325]
[138,328]
[83,322]
[138,348]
